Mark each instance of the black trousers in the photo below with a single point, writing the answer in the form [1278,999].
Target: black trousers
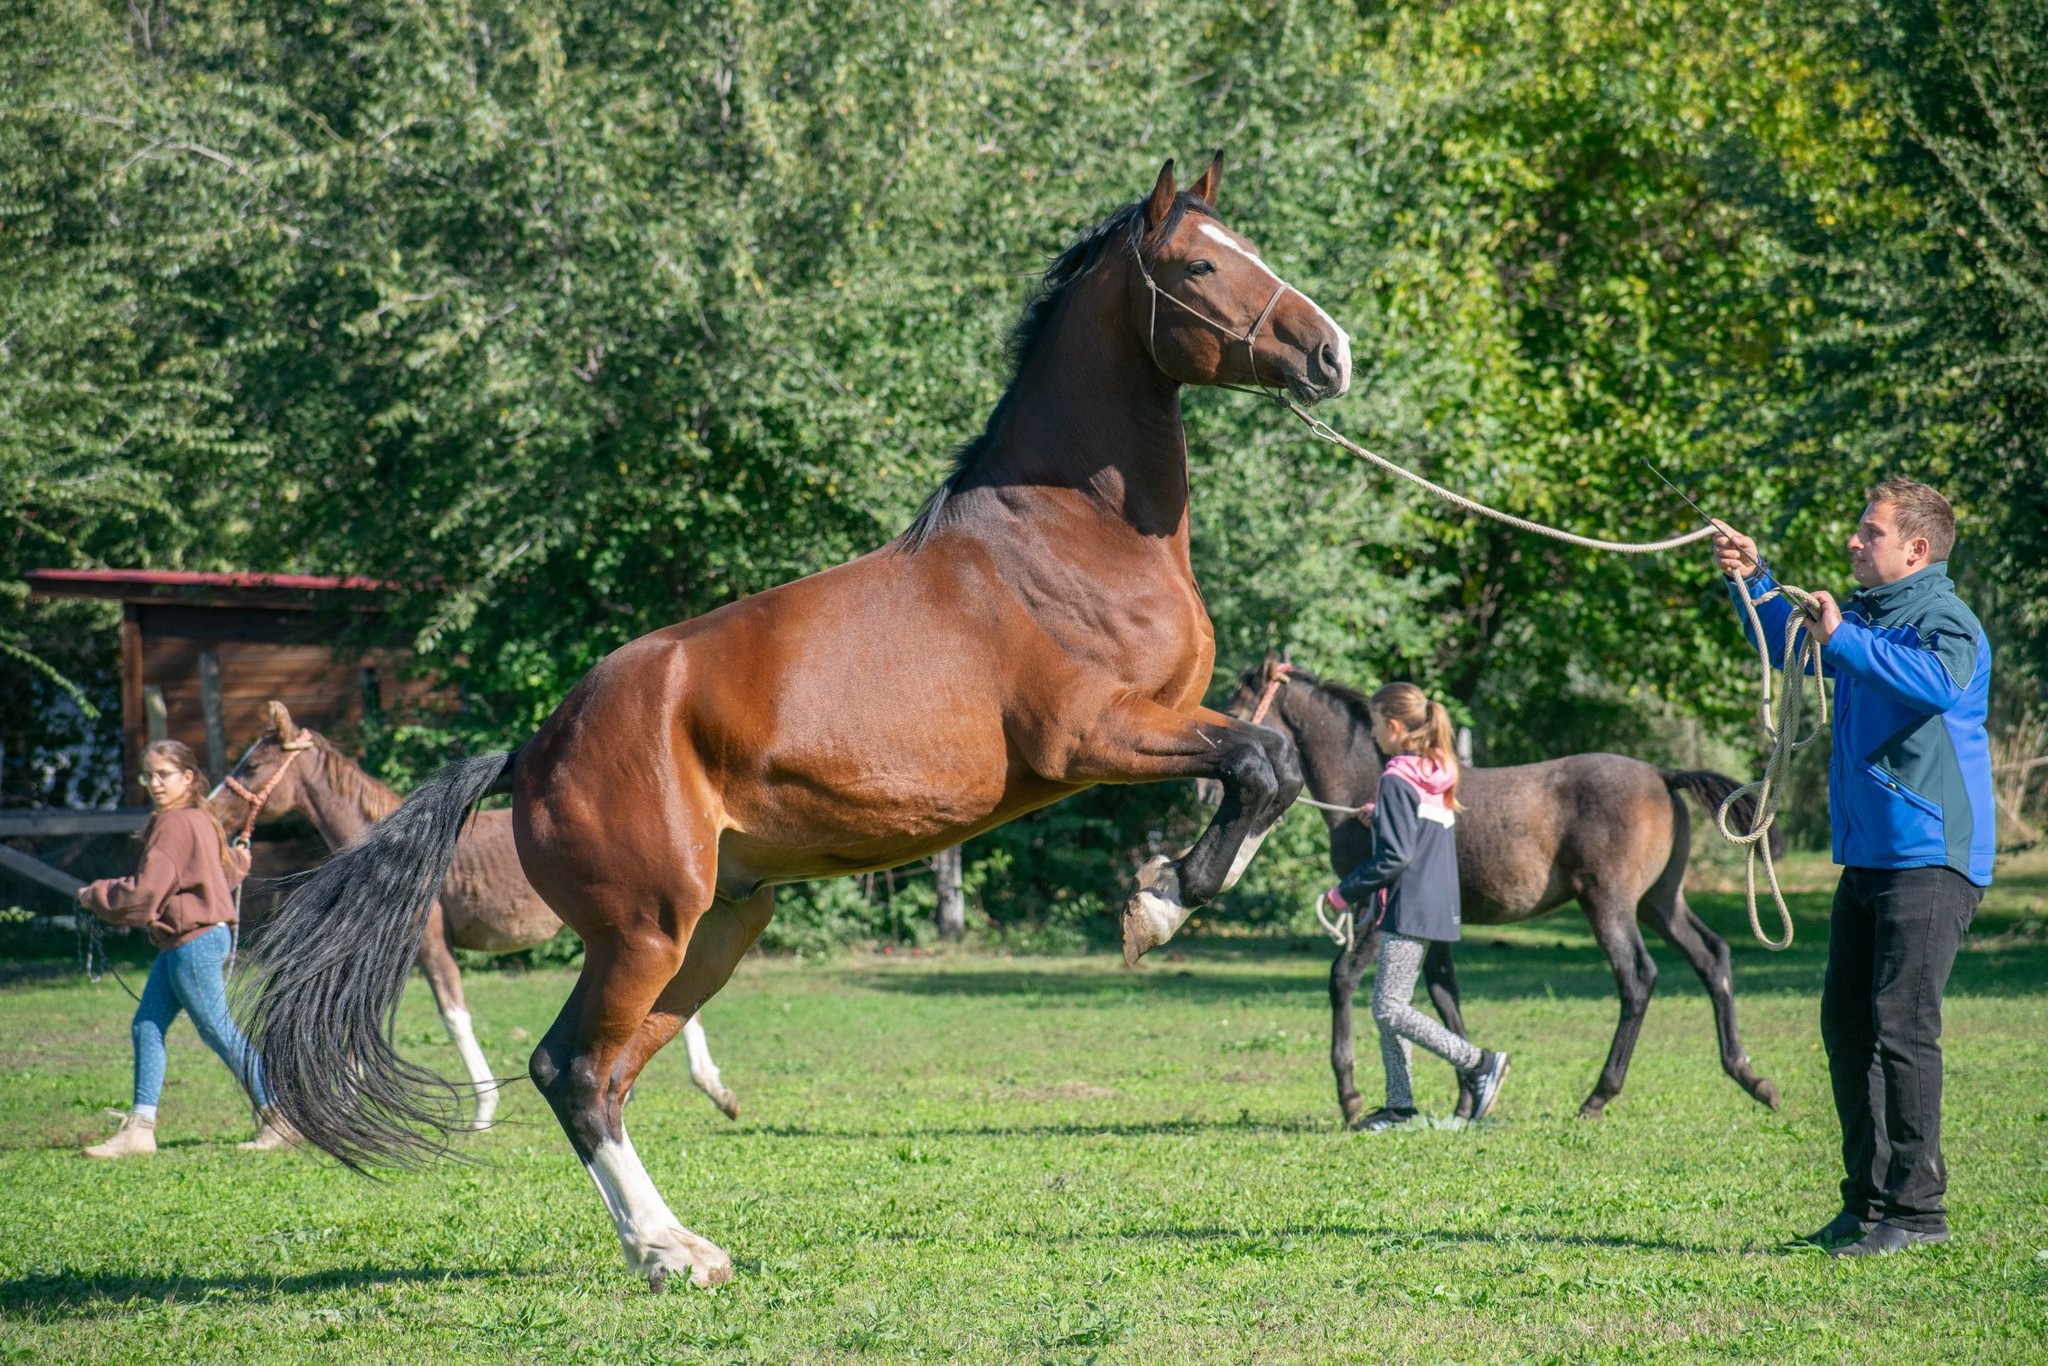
[1891,943]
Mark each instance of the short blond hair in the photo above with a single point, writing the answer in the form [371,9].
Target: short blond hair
[1919,511]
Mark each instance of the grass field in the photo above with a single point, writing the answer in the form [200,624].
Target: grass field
[1052,1159]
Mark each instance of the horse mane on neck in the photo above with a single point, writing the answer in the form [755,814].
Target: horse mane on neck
[1058,282]
[350,782]
[1355,705]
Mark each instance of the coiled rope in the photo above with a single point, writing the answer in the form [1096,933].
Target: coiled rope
[1781,728]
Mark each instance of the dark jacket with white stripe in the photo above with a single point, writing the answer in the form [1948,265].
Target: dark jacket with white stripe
[1414,860]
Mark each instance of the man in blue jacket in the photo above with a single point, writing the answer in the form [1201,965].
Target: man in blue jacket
[1909,798]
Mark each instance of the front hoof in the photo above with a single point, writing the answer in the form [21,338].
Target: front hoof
[1766,1091]
[1595,1108]
[1154,911]
[727,1103]
[678,1251]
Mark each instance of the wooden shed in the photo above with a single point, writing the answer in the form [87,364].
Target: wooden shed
[201,654]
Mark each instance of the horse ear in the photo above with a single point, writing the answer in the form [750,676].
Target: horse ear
[1212,180]
[1267,669]
[1160,202]
[281,722]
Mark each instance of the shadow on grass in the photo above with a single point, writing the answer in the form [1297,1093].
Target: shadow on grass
[1400,1240]
[1494,963]
[79,1292]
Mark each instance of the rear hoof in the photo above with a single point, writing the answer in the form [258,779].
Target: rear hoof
[1354,1110]
[1154,911]
[1766,1090]
[727,1103]
[1596,1108]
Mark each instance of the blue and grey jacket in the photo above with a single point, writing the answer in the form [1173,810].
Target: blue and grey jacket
[1909,777]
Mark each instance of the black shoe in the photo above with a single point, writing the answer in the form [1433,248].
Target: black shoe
[1888,1238]
[1843,1229]
[1383,1119]
[1484,1081]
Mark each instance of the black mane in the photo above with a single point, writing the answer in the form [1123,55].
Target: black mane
[1068,267]
[1357,706]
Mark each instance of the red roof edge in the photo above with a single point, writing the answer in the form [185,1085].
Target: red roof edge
[144,585]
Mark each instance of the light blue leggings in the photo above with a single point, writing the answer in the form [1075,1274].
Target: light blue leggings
[189,978]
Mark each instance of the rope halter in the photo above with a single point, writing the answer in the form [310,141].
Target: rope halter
[1249,338]
[1281,671]
[292,748]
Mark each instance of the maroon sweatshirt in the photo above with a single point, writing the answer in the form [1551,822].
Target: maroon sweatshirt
[182,888]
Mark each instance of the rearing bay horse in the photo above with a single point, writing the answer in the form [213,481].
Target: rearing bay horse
[1036,631]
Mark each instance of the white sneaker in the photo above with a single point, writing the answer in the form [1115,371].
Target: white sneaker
[276,1135]
[135,1138]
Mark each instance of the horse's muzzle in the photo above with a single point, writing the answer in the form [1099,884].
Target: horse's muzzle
[1324,372]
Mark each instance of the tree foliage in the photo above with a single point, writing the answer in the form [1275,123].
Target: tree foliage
[581,320]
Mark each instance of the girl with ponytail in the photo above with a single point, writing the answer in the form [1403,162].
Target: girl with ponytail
[1408,890]
[182,896]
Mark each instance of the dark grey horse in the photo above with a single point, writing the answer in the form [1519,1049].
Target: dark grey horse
[1609,832]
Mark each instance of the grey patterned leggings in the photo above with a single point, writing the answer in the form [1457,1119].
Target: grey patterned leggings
[1393,987]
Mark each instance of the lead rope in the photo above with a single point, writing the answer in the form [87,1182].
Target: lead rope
[1801,653]
[1781,730]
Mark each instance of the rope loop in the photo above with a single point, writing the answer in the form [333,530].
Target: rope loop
[1343,929]
[1781,724]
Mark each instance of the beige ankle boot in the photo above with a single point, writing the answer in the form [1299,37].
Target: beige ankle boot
[275,1135]
[135,1138]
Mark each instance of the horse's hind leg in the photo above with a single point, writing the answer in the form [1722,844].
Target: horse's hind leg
[1708,954]
[630,955]
[1635,977]
[437,961]
[704,1071]
[1442,976]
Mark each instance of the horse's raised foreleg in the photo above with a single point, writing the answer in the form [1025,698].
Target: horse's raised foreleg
[1141,741]
[437,962]
[704,1071]
[1345,973]
[1708,954]
[1442,976]
[1635,977]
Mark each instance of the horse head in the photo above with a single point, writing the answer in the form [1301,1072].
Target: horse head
[1212,312]
[263,781]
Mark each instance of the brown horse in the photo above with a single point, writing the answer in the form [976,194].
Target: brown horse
[486,903]
[1604,830]
[1036,631]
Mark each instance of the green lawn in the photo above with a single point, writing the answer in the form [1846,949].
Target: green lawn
[1052,1159]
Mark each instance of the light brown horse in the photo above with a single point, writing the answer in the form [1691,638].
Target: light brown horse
[1036,631]
[485,904]
[1604,830]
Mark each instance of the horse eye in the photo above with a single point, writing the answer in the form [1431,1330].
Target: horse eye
[1201,268]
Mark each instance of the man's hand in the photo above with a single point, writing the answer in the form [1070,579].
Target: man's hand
[1734,553]
[1830,616]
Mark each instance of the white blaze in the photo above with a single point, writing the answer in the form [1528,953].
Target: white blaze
[1223,239]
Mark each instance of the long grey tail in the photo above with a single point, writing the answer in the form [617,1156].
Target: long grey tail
[321,1002]
[1714,788]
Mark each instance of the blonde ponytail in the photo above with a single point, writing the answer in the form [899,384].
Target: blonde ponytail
[1427,723]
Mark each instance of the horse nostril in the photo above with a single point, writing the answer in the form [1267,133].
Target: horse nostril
[1327,358]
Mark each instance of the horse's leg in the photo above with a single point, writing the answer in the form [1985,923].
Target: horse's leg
[630,954]
[704,1071]
[1708,954]
[1442,976]
[1635,977]
[1140,741]
[437,961]
[1345,972]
